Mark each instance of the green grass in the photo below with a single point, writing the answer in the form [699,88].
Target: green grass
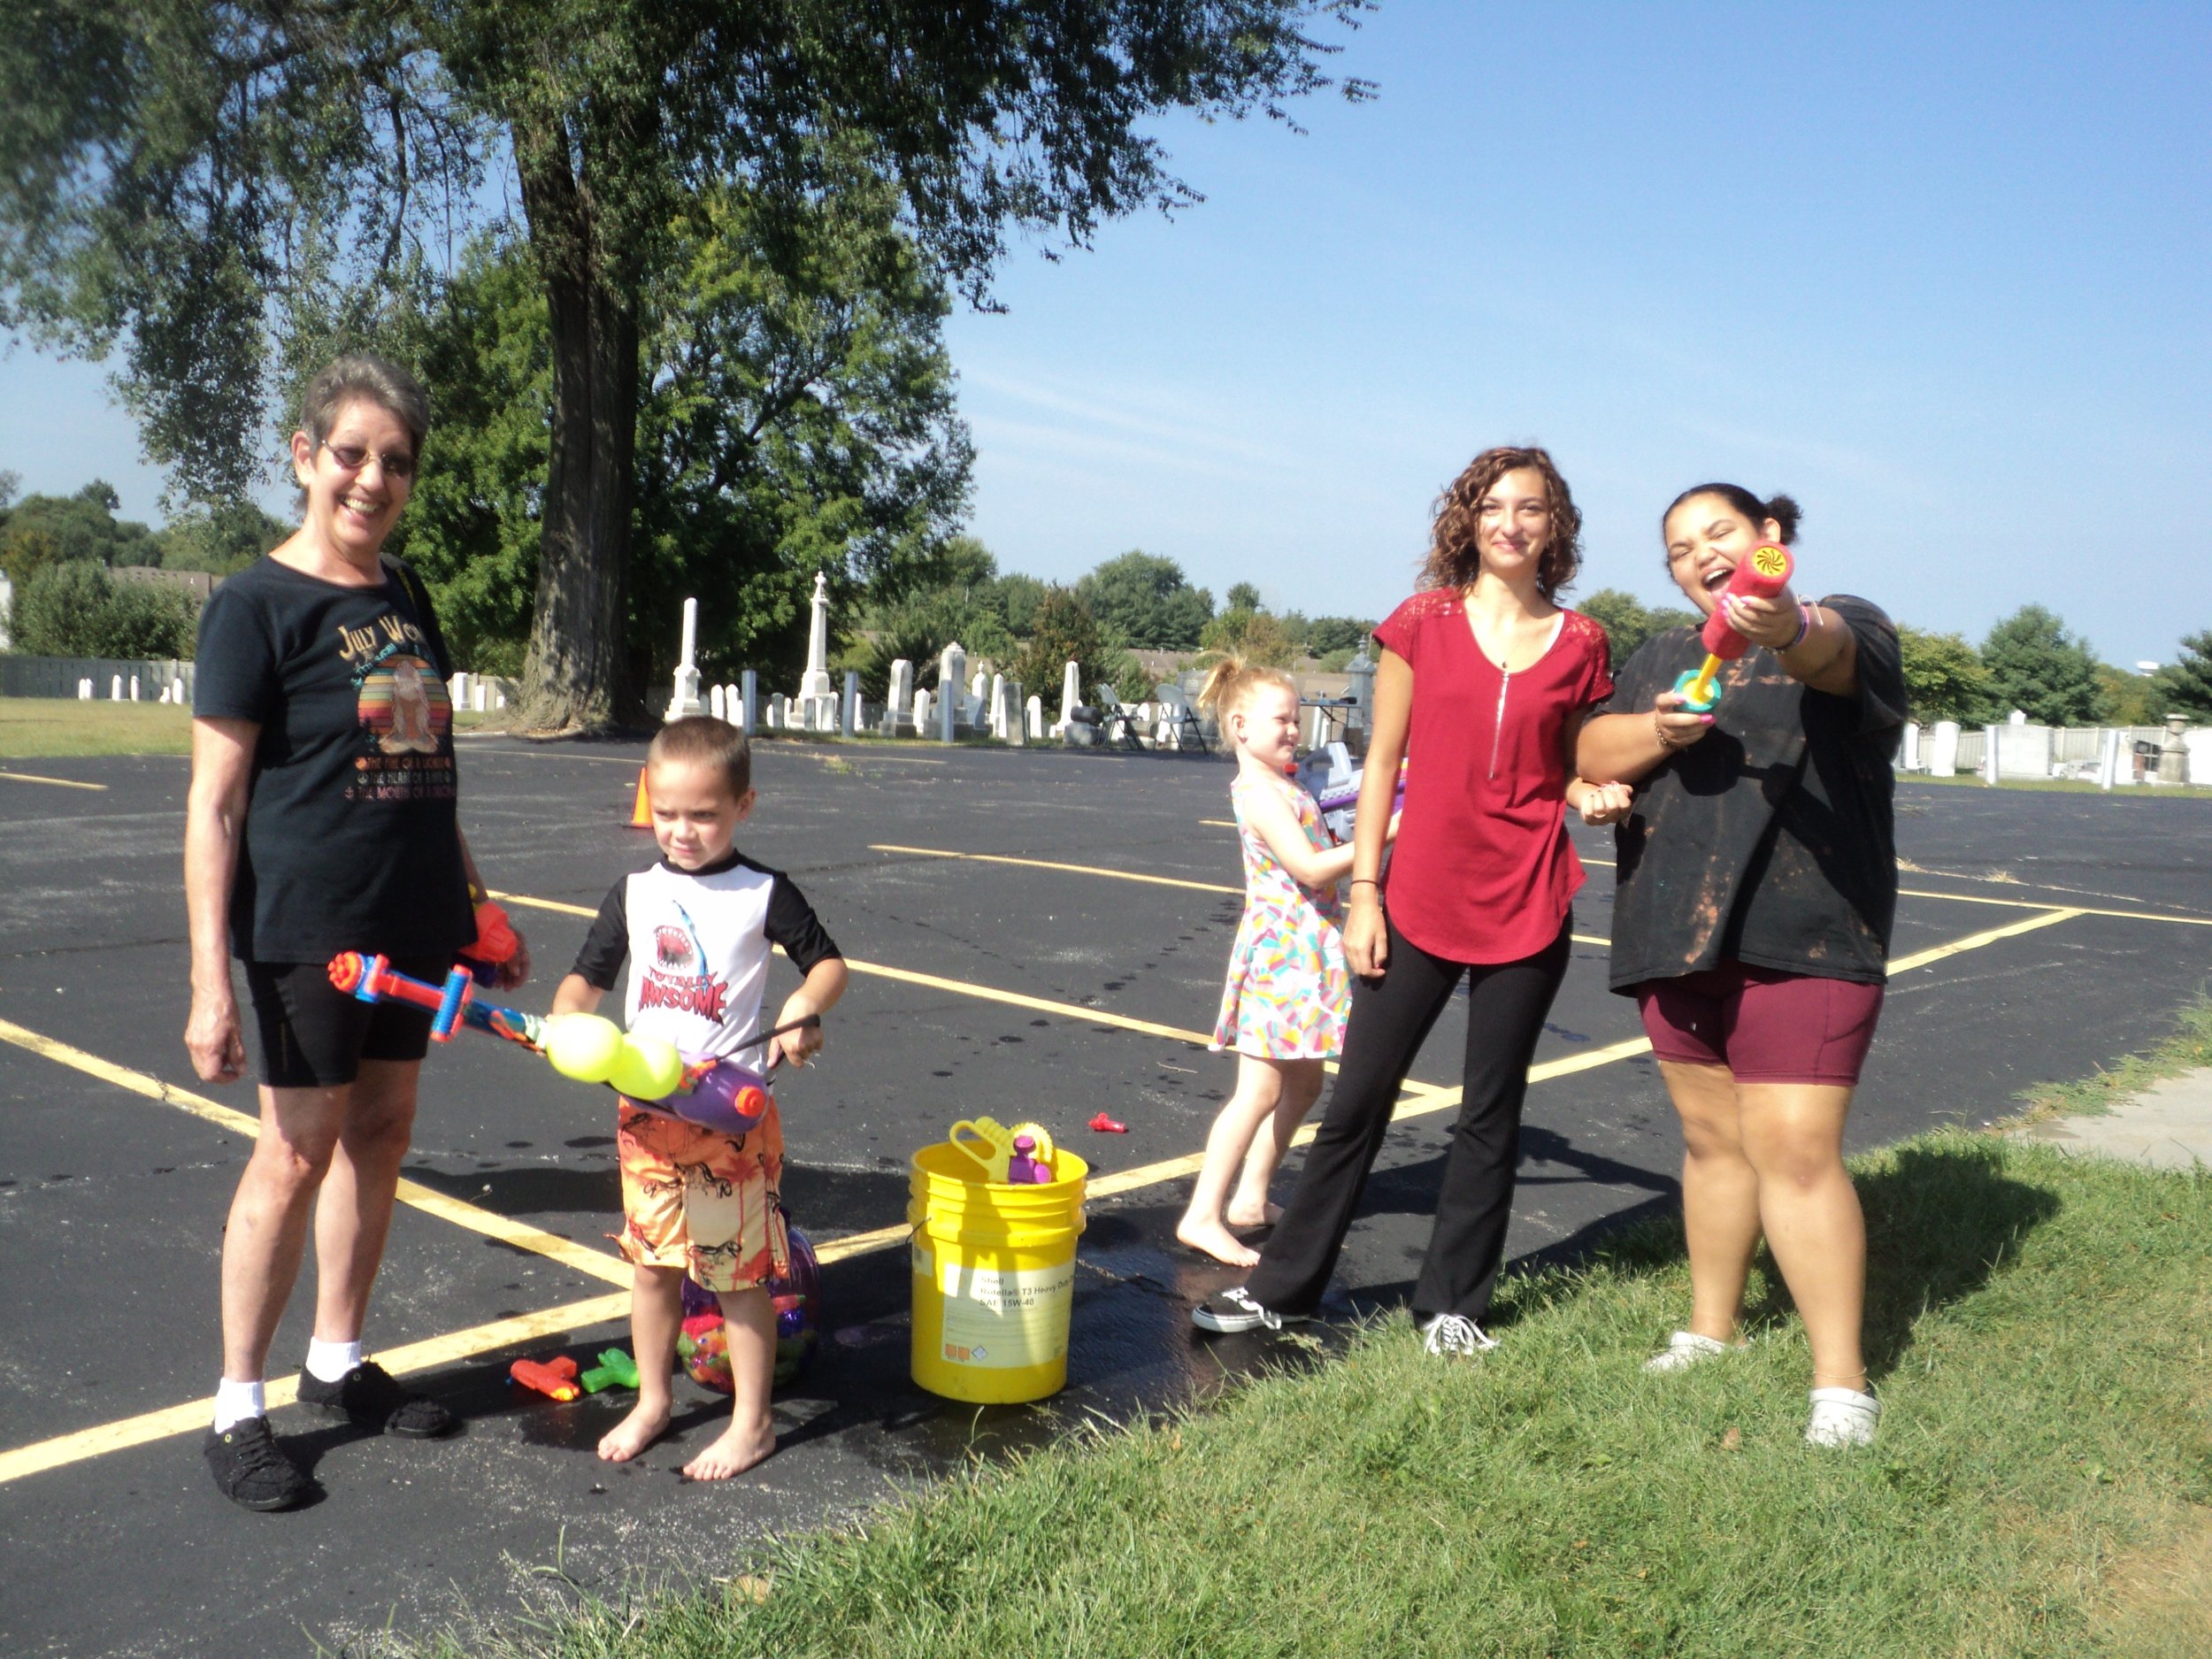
[2189,1048]
[2066,785]
[2043,1484]
[55,728]
[43,728]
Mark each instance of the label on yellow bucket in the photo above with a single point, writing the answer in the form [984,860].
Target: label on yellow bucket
[1006,1321]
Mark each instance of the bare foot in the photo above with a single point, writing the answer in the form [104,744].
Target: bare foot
[626,1439]
[1269,1214]
[1217,1241]
[737,1451]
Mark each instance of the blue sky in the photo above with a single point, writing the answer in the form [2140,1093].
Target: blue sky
[1940,271]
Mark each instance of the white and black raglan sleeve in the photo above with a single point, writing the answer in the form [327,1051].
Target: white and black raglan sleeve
[607,946]
[793,923]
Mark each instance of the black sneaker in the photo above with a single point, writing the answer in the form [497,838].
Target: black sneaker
[1234,1310]
[252,1469]
[367,1393]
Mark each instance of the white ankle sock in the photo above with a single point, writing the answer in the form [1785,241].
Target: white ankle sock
[235,1402]
[330,1361]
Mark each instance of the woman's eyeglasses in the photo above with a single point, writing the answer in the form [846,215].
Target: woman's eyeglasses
[354,457]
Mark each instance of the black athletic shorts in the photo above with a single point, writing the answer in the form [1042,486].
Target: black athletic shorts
[314,1036]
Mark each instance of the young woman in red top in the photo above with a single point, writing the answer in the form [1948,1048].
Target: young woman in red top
[1484,681]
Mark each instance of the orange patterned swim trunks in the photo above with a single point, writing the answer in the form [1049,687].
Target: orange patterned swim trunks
[702,1202]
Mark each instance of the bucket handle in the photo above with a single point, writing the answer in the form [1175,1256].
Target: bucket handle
[995,1144]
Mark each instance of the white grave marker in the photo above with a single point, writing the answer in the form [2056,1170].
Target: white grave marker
[1943,750]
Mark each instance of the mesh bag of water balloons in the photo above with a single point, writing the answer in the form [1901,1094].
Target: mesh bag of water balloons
[796,1296]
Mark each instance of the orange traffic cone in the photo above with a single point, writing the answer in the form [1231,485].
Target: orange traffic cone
[642,813]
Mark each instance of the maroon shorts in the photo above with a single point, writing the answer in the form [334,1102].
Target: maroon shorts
[1764,1025]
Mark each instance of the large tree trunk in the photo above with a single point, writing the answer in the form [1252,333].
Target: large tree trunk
[576,678]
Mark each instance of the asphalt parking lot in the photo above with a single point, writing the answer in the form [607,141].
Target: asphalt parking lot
[1033,934]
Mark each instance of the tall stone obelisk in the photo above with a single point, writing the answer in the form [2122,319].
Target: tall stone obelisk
[686,700]
[815,681]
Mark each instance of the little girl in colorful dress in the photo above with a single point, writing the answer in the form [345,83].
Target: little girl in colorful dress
[1283,1009]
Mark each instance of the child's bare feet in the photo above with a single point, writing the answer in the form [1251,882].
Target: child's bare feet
[740,1448]
[626,1439]
[1262,1215]
[1217,1241]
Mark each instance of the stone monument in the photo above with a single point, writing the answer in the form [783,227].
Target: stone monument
[1071,693]
[2173,751]
[686,700]
[815,681]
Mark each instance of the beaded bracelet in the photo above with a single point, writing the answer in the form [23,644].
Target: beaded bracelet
[1804,625]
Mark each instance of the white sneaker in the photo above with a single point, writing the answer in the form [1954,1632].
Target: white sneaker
[1683,1350]
[1452,1334]
[1842,1416]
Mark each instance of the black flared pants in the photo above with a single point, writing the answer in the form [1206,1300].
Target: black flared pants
[1390,1019]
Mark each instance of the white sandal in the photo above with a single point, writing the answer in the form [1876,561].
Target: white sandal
[1842,1416]
[1684,1349]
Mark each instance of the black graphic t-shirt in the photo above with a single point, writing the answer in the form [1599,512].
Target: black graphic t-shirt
[1771,840]
[697,943]
[351,842]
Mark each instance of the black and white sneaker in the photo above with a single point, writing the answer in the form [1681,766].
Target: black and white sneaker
[1234,1310]
[368,1393]
[252,1469]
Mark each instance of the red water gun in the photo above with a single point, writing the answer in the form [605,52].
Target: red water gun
[555,1377]
[496,942]
[1764,573]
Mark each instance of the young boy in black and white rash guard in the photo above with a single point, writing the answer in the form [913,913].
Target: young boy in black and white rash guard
[697,929]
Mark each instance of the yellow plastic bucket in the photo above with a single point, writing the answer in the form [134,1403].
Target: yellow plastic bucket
[993,1277]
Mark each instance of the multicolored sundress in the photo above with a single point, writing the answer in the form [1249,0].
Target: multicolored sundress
[1288,988]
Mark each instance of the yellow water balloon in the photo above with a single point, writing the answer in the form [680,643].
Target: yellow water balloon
[584,1047]
[648,1068]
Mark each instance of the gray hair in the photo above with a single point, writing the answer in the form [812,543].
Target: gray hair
[361,377]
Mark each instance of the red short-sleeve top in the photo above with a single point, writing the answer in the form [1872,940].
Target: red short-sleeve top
[1482,869]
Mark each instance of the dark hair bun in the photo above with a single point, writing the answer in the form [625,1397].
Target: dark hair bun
[1784,512]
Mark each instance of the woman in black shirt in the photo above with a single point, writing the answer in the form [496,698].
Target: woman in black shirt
[321,819]
[1753,903]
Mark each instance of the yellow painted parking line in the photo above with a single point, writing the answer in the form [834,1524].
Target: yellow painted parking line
[963,987]
[195,1414]
[2069,910]
[515,1331]
[1430,1099]
[1975,942]
[1115,875]
[2019,905]
[59,783]
[567,1252]
[561,906]
[862,1243]
[1042,864]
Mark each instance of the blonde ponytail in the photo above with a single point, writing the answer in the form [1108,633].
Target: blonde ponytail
[1230,684]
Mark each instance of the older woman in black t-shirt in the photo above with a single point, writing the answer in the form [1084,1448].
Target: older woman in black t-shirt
[321,819]
[1753,902]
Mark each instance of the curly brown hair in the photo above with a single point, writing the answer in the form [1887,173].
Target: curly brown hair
[1452,561]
